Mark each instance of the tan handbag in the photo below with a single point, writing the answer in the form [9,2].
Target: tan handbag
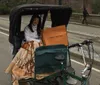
[55,35]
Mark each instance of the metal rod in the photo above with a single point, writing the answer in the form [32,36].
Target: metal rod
[60,2]
[83,56]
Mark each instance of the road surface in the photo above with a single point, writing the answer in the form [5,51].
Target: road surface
[76,33]
[6,58]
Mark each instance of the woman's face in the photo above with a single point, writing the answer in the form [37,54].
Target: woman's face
[36,21]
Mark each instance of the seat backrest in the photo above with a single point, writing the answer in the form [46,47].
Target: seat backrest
[45,58]
[17,42]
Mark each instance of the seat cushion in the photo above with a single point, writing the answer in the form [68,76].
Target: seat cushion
[45,58]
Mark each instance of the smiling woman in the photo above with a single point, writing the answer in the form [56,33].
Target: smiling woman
[32,30]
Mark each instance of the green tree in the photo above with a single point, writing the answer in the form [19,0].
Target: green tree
[96,6]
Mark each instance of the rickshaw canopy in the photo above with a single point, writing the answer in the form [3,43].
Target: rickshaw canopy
[60,15]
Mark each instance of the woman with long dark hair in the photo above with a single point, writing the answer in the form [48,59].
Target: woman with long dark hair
[32,30]
[22,65]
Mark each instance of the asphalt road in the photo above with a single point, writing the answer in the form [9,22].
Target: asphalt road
[76,34]
[6,57]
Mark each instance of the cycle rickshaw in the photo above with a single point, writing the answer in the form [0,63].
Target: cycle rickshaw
[58,55]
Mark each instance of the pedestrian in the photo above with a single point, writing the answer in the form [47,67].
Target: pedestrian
[85,15]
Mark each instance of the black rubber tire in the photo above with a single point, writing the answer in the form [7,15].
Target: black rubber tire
[55,82]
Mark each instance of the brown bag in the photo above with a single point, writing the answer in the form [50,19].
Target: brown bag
[55,35]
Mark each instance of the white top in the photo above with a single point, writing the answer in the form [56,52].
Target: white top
[31,36]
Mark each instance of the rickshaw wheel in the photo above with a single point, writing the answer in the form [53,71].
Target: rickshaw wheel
[55,82]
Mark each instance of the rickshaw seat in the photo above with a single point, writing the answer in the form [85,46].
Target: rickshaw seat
[45,61]
[18,41]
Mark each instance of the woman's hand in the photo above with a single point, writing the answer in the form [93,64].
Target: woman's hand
[36,45]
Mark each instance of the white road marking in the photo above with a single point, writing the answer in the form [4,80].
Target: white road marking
[4,29]
[4,18]
[4,33]
[97,70]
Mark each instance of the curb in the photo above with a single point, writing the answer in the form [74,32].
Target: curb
[90,25]
[82,33]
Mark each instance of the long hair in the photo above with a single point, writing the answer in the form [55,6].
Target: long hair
[38,26]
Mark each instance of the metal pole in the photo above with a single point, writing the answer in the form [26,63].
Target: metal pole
[60,2]
[83,4]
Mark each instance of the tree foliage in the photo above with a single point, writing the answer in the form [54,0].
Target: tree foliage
[96,6]
[7,5]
